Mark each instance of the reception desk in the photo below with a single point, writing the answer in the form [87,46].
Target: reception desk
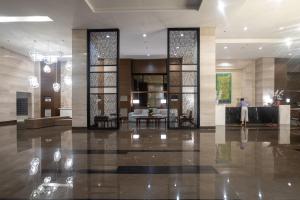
[257,115]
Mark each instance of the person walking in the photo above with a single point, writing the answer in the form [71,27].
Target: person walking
[244,112]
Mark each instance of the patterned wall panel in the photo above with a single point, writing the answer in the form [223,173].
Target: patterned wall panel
[183,45]
[103,48]
[183,57]
[103,73]
[189,78]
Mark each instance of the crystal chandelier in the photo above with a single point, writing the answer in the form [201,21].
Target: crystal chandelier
[33,82]
[68,66]
[47,69]
[56,87]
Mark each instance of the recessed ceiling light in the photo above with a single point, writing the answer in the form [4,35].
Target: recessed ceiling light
[181,34]
[6,19]
[226,47]
[144,35]
[260,48]
[245,28]
[177,47]
[107,36]
[281,28]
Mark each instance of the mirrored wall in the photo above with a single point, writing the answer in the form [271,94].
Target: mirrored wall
[103,62]
[183,72]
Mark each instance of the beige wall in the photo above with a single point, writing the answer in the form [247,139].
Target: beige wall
[264,81]
[79,76]
[14,72]
[207,76]
[243,79]
[66,90]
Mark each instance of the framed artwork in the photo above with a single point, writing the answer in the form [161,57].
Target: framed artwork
[223,85]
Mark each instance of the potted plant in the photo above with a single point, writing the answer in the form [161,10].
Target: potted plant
[150,110]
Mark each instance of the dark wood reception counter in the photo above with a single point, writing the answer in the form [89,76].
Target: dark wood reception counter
[257,115]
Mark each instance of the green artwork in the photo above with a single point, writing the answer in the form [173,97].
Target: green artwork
[223,82]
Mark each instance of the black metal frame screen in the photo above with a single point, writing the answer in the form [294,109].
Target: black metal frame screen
[183,77]
[102,78]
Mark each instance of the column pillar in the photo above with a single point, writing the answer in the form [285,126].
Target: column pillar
[207,76]
[79,82]
[264,82]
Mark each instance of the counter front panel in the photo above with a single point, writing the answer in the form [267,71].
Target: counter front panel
[257,115]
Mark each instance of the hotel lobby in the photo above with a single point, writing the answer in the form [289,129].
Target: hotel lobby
[160,99]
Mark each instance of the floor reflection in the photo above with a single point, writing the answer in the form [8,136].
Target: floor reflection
[228,163]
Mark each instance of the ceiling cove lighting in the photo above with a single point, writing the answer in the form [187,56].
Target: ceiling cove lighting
[288,42]
[8,19]
[221,7]
[225,64]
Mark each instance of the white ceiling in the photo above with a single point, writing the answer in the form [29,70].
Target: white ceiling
[262,17]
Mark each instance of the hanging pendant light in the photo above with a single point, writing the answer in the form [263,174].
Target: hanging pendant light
[33,80]
[56,85]
[47,69]
[68,66]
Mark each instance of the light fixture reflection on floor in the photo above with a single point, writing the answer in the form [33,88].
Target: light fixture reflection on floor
[135,101]
[163,136]
[57,156]
[163,101]
[68,66]
[135,136]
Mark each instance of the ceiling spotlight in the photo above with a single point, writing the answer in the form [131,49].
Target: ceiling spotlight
[226,47]
[245,28]
[144,35]
[181,35]
[260,48]
[107,36]
[177,47]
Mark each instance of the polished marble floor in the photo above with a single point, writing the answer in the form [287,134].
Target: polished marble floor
[226,163]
